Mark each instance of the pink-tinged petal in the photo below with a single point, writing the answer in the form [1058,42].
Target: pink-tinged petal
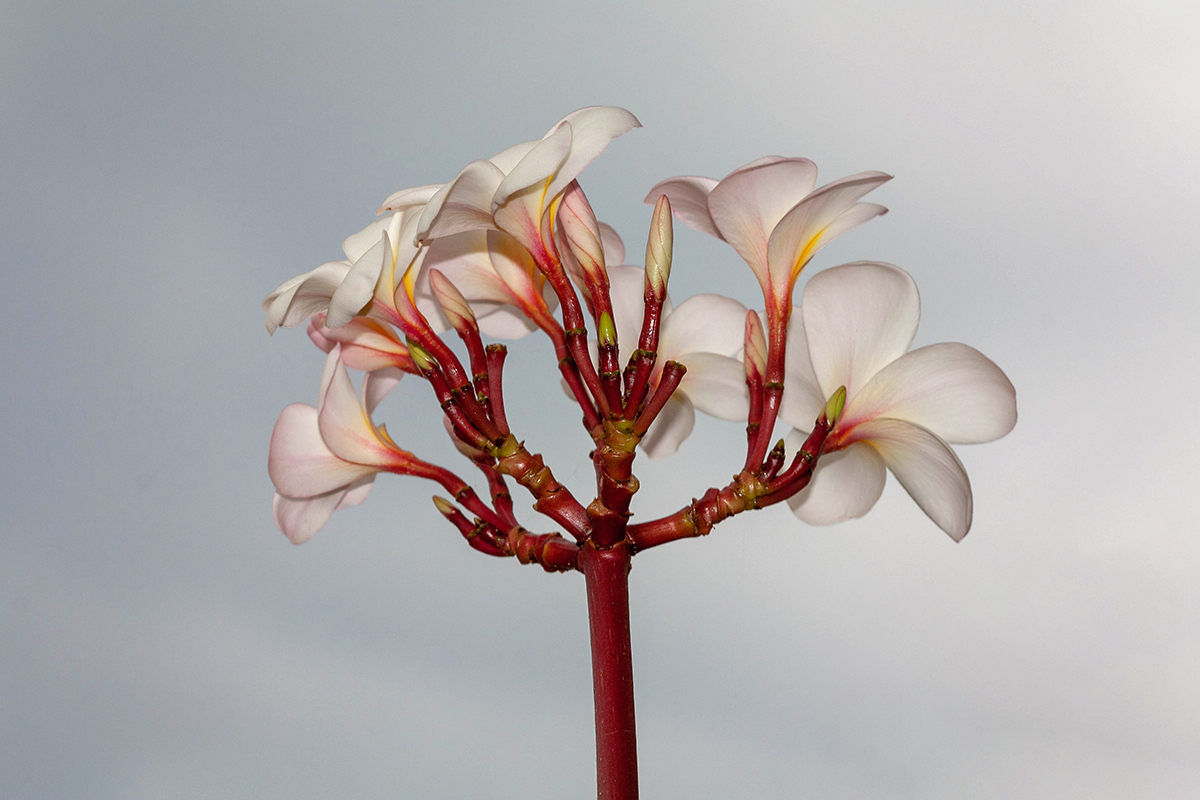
[377,384]
[716,385]
[467,262]
[410,198]
[816,220]
[803,401]
[845,485]
[300,518]
[614,246]
[952,390]
[357,494]
[928,470]
[318,338]
[672,425]
[305,295]
[858,318]
[705,323]
[516,270]
[464,204]
[367,345]
[346,428]
[748,203]
[689,201]
[592,129]
[300,464]
[505,322]
[537,167]
[333,362]
[358,287]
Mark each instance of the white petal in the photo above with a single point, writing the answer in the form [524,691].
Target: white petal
[748,203]
[803,400]
[356,244]
[463,204]
[357,493]
[358,287]
[858,318]
[845,484]
[614,247]
[716,385]
[689,201]
[466,261]
[927,468]
[952,390]
[304,295]
[705,323]
[817,220]
[506,160]
[300,464]
[672,425]
[410,198]
[592,129]
[537,167]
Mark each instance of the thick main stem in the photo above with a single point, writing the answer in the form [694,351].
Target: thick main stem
[607,575]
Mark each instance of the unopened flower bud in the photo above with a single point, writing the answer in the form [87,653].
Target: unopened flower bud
[420,356]
[581,232]
[658,249]
[453,304]
[756,346]
[606,331]
[444,506]
[833,409]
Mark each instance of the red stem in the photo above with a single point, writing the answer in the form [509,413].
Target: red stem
[607,575]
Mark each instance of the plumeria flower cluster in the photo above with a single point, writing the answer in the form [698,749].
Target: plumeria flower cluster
[510,246]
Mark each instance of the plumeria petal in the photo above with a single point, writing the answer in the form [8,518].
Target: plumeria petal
[301,518]
[536,169]
[803,399]
[858,318]
[357,244]
[301,297]
[845,485]
[300,463]
[672,425]
[463,204]
[715,384]
[347,429]
[377,384]
[358,287]
[689,201]
[927,468]
[816,220]
[367,344]
[952,390]
[409,198]
[706,323]
[592,129]
[748,203]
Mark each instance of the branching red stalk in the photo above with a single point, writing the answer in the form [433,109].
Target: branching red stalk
[672,374]
[495,355]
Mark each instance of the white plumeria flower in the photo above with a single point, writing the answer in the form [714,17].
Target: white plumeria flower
[902,408]
[704,333]
[343,288]
[326,458]
[770,213]
[513,190]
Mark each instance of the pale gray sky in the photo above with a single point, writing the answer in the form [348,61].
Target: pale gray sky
[165,166]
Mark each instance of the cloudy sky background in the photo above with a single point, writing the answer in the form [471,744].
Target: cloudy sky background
[165,166]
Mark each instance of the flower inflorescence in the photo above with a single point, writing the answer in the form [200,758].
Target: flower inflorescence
[511,245]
